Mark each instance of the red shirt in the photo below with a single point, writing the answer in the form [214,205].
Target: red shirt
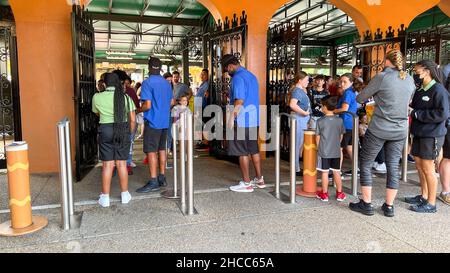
[132,93]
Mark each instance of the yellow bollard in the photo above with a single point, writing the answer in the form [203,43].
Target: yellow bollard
[22,222]
[309,188]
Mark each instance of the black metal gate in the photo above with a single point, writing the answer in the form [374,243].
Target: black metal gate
[86,122]
[10,123]
[283,61]
[432,44]
[229,38]
[371,53]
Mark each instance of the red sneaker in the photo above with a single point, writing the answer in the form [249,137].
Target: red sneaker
[130,170]
[340,196]
[322,196]
[145,162]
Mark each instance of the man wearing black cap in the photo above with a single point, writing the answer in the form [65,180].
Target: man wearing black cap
[244,119]
[157,98]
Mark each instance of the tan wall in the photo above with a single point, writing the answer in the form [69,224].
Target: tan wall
[45,74]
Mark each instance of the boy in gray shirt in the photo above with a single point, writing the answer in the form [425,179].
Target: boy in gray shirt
[329,132]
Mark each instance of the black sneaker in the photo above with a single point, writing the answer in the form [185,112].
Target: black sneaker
[362,207]
[424,208]
[388,210]
[411,159]
[416,200]
[162,180]
[151,186]
[300,173]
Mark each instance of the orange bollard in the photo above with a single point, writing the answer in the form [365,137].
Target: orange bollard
[309,187]
[22,222]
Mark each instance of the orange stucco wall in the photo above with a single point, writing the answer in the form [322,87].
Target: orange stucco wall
[45,73]
[373,14]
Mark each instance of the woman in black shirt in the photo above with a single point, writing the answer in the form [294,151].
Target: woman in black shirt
[429,116]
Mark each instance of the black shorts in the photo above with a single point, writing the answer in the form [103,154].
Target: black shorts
[155,140]
[246,144]
[110,151]
[347,139]
[447,144]
[327,164]
[427,148]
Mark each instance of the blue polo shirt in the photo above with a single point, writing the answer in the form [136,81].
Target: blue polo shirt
[157,90]
[349,97]
[244,86]
[201,92]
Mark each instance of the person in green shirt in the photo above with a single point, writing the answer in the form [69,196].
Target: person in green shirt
[117,120]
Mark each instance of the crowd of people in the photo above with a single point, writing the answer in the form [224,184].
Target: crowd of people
[392,107]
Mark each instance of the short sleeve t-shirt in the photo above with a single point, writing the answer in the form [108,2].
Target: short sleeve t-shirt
[157,90]
[180,89]
[244,86]
[330,129]
[303,100]
[103,104]
[349,97]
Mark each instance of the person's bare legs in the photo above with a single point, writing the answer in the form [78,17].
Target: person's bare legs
[121,166]
[245,169]
[152,165]
[162,162]
[444,171]
[431,180]
[422,178]
[390,196]
[367,194]
[325,182]
[256,158]
[107,172]
[337,180]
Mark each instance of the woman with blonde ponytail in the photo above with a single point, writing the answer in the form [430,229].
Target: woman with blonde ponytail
[391,90]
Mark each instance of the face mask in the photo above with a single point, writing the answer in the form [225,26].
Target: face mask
[418,80]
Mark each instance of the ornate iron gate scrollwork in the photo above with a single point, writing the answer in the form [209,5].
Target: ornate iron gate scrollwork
[86,122]
[10,122]
[229,38]
[283,61]
[372,52]
[431,44]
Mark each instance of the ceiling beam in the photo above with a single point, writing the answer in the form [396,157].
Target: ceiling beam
[144,19]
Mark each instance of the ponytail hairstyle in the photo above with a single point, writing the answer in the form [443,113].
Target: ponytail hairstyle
[435,72]
[120,126]
[301,75]
[397,59]
[298,77]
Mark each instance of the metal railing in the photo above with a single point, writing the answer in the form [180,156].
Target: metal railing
[69,219]
[293,138]
[405,159]
[293,175]
[183,132]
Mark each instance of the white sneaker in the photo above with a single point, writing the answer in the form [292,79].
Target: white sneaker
[258,183]
[126,197]
[104,200]
[379,168]
[132,165]
[242,187]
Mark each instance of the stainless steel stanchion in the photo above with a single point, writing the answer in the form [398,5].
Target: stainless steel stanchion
[405,160]
[292,160]
[277,156]
[183,160]
[190,163]
[277,193]
[355,154]
[173,193]
[69,218]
